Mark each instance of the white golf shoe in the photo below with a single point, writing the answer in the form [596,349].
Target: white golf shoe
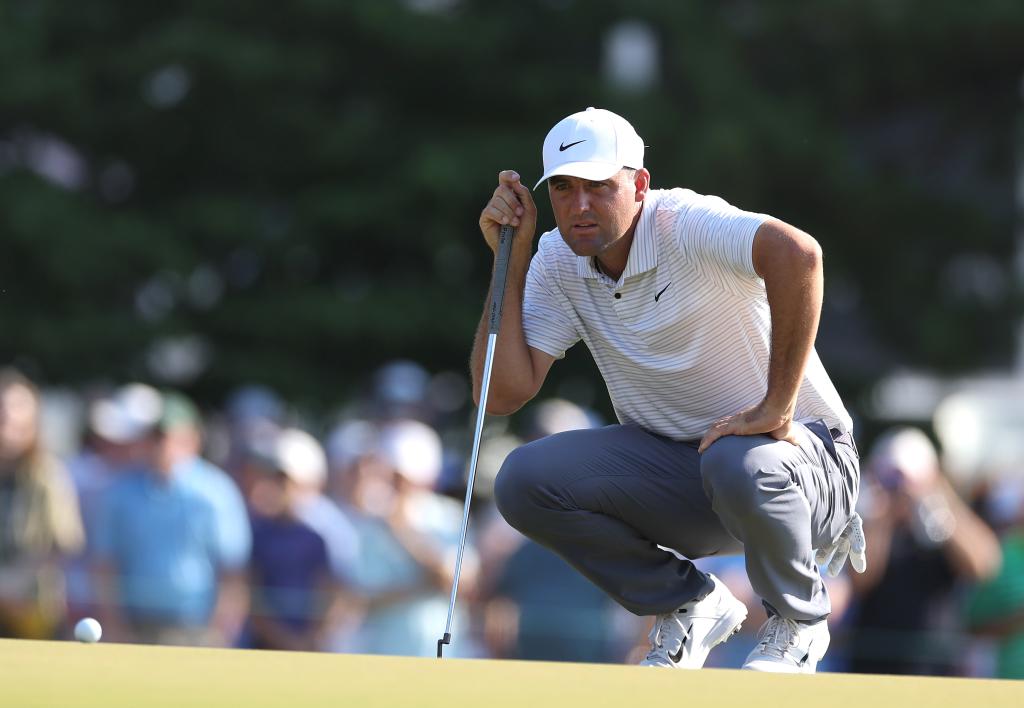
[785,646]
[682,639]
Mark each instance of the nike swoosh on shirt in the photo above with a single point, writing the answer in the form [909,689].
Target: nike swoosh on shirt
[662,290]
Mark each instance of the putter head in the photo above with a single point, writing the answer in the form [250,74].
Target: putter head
[446,639]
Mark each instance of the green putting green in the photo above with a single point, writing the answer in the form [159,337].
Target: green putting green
[108,675]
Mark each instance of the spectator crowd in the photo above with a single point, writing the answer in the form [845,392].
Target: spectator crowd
[251,526]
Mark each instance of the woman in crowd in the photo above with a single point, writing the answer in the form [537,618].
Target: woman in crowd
[39,518]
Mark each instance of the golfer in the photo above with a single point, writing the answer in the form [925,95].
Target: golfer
[731,438]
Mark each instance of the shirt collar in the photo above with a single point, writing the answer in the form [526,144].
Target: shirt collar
[585,267]
[643,252]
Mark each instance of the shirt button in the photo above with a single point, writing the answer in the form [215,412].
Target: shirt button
[618,295]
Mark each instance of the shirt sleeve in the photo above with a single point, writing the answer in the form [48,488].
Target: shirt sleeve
[232,529]
[546,324]
[720,237]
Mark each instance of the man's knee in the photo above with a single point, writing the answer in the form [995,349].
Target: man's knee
[515,487]
[731,470]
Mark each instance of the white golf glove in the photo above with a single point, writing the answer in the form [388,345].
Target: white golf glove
[850,543]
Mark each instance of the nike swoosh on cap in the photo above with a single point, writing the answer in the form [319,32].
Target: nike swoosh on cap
[562,147]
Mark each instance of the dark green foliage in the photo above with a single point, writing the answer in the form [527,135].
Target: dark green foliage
[326,164]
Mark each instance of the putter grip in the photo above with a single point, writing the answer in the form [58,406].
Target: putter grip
[500,275]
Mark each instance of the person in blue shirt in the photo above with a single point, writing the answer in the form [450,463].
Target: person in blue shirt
[408,540]
[172,542]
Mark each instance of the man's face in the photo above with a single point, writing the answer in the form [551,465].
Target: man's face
[592,216]
[19,413]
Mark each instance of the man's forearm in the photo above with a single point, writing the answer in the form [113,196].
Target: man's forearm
[512,378]
[794,282]
[972,548]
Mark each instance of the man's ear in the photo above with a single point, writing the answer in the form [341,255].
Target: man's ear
[642,182]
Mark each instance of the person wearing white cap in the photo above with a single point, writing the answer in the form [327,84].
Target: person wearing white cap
[731,438]
[297,600]
[408,537]
[927,547]
[174,509]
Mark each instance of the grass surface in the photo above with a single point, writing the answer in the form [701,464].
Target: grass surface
[109,675]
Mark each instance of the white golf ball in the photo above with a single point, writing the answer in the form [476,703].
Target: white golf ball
[88,630]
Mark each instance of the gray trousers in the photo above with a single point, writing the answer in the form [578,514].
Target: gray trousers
[610,500]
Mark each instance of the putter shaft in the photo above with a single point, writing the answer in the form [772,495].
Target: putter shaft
[497,297]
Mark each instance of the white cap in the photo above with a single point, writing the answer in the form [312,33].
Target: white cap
[413,449]
[128,415]
[299,456]
[908,451]
[592,144]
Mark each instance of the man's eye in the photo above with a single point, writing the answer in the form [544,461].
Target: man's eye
[596,185]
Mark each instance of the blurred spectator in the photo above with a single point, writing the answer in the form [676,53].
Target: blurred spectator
[180,450]
[400,391]
[114,442]
[253,414]
[350,445]
[537,606]
[922,541]
[555,615]
[408,542]
[996,608]
[172,541]
[295,598]
[356,478]
[39,518]
[322,514]
[325,517]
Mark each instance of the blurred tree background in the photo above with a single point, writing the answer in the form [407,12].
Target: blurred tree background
[206,193]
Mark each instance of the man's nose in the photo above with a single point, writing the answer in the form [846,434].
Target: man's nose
[580,201]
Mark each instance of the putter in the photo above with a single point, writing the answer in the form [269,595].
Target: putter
[497,296]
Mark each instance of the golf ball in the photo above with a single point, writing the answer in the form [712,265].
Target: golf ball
[88,630]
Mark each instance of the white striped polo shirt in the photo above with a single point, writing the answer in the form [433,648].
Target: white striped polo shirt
[683,338]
